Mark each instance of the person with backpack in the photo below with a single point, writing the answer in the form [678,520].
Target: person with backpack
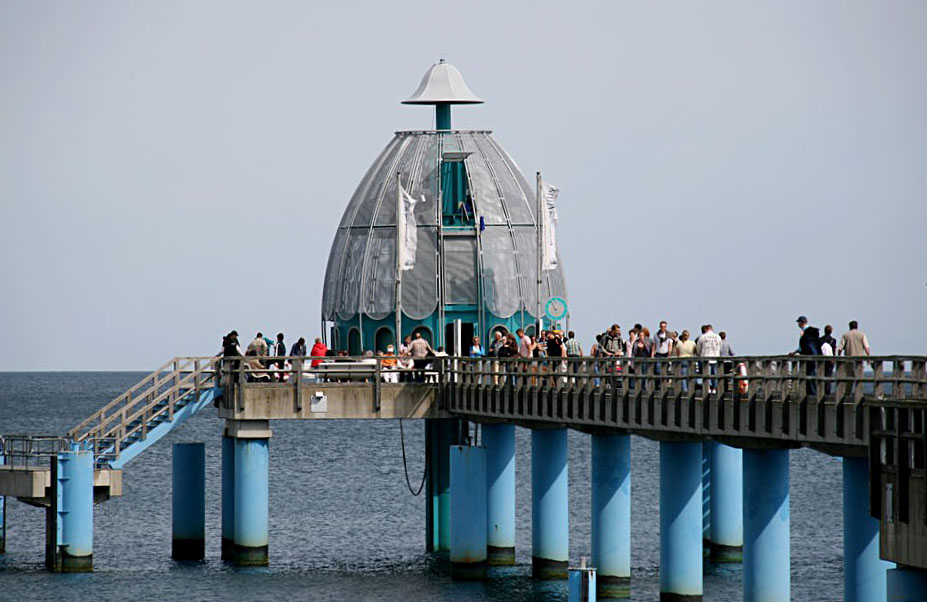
[809,344]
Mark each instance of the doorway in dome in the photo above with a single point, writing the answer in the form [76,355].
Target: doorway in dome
[466,338]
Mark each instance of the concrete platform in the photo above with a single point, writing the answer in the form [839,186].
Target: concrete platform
[330,401]
[31,484]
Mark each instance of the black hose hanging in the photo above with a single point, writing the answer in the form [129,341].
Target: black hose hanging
[405,466]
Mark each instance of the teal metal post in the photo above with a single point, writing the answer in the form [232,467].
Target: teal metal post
[70,515]
[442,116]
[445,433]
[864,573]
[431,535]
[611,514]
[251,511]
[766,525]
[727,508]
[228,497]
[680,521]
[905,584]
[188,502]
[468,512]
[582,584]
[499,440]
[550,516]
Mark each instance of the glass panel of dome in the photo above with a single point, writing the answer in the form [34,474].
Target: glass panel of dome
[518,199]
[411,157]
[332,289]
[377,191]
[499,268]
[362,190]
[526,240]
[482,185]
[352,270]
[419,285]
[426,182]
[460,270]
[380,274]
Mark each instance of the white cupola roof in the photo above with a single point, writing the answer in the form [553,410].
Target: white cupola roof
[442,84]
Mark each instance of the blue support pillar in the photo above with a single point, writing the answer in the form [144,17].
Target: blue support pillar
[251,511]
[499,440]
[727,508]
[766,525]
[468,512]
[228,497]
[611,514]
[706,498]
[69,518]
[905,584]
[550,516]
[864,573]
[188,502]
[444,433]
[680,521]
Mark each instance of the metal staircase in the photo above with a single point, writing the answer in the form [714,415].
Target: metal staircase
[148,411]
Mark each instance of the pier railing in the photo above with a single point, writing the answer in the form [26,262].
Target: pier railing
[790,400]
[31,451]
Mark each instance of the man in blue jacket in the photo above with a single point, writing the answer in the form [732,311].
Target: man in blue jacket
[809,344]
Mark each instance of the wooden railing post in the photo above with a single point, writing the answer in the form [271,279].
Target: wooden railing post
[297,377]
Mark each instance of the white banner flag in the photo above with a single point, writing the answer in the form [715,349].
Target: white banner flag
[549,218]
[407,231]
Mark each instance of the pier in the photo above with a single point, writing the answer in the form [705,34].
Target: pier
[875,422]
[445,240]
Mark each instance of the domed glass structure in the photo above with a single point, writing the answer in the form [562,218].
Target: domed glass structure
[476,253]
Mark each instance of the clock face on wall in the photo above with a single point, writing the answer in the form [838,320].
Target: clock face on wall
[556,308]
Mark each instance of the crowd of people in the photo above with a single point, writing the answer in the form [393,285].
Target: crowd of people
[265,358]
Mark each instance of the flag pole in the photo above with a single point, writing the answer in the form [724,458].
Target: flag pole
[540,224]
[400,241]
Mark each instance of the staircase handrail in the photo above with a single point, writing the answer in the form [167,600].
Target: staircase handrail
[105,415]
[121,432]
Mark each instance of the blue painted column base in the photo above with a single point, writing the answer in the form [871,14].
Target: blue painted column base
[69,516]
[550,516]
[611,514]
[468,512]
[251,502]
[767,576]
[228,496]
[499,440]
[906,585]
[727,509]
[681,545]
[864,572]
[188,502]
[445,432]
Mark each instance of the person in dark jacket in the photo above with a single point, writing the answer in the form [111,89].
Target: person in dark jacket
[809,344]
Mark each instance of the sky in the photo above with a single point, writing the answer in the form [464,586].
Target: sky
[172,170]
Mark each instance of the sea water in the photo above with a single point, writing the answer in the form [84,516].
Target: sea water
[343,524]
